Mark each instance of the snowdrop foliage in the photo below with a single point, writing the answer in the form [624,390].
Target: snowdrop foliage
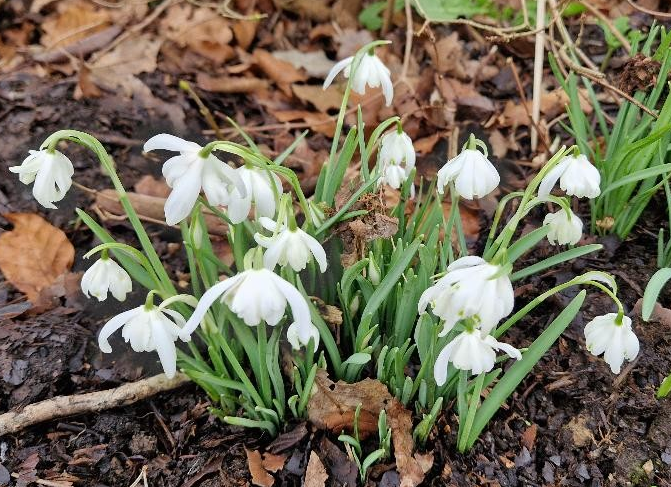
[371,72]
[612,336]
[189,172]
[51,172]
[472,288]
[565,228]
[105,276]
[397,158]
[472,350]
[148,328]
[257,295]
[576,175]
[289,247]
[472,173]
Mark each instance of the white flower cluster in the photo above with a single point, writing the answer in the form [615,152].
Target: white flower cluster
[472,297]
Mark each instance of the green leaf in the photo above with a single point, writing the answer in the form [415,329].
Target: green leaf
[665,388]
[519,370]
[554,260]
[446,10]
[516,250]
[371,16]
[652,290]
[358,359]
[636,176]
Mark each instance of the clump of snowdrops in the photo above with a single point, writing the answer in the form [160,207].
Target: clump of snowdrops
[418,312]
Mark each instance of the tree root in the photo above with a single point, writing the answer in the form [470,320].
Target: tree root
[63,406]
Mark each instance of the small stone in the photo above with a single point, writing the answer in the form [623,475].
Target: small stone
[582,472]
[648,468]
[666,458]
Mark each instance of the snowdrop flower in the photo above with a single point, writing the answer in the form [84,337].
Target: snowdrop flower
[371,72]
[51,172]
[257,295]
[615,340]
[397,158]
[473,175]
[286,246]
[106,275]
[188,173]
[565,228]
[147,328]
[470,290]
[576,176]
[263,188]
[471,350]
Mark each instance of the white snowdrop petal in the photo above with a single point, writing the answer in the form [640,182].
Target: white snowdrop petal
[171,143]
[113,325]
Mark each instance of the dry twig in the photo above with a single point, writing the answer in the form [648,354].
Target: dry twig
[63,406]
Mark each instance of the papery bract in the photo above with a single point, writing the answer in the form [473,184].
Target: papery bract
[371,72]
[106,275]
[189,172]
[289,247]
[615,340]
[51,172]
[473,175]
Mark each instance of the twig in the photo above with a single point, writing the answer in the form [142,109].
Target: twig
[409,34]
[63,406]
[539,56]
[663,15]
[525,102]
[388,15]
[204,111]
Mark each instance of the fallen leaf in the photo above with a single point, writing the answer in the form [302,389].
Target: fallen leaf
[323,100]
[580,434]
[273,463]
[317,11]
[281,72]
[553,103]
[230,84]
[342,469]
[151,186]
[34,254]
[67,286]
[201,29]
[244,32]
[425,145]
[400,421]
[659,313]
[332,405]
[289,439]
[318,122]
[315,473]
[148,208]
[351,40]
[260,475]
[528,438]
[315,63]
[72,21]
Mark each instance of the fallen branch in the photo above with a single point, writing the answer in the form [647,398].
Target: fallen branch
[91,402]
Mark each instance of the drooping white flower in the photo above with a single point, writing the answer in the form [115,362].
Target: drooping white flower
[106,275]
[257,295]
[371,72]
[615,340]
[263,188]
[147,329]
[188,173]
[286,246]
[576,175]
[50,171]
[397,158]
[470,290]
[565,228]
[473,175]
[471,350]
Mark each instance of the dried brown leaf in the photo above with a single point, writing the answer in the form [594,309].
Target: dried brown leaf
[230,84]
[315,63]
[72,21]
[528,438]
[34,254]
[425,145]
[151,186]
[273,463]
[260,475]
[400,421]
[332,405]
[315,473]
[244,32]
[281,72]
[323,100]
